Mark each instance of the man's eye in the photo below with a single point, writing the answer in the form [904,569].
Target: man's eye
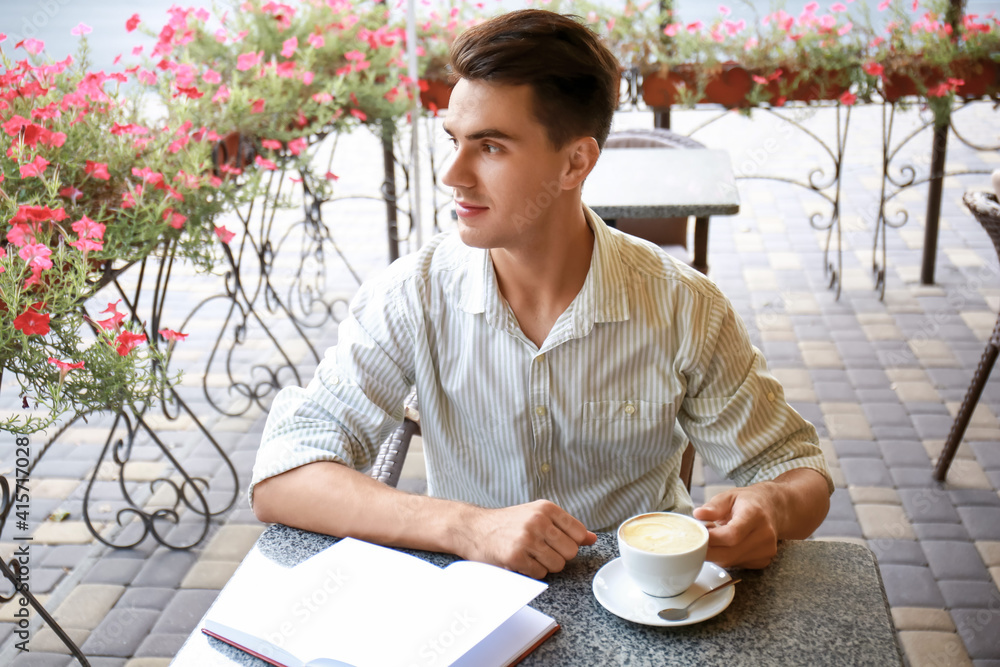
[490,148]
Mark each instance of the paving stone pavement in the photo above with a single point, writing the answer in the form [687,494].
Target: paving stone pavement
[880,378]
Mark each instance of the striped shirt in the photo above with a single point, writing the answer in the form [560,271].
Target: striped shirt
[649,354]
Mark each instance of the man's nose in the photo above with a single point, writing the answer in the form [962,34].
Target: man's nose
[458,174]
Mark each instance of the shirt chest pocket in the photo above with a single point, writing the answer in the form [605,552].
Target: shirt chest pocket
[628,433]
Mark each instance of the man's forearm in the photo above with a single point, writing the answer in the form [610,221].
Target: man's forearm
[330,498]
[802,499]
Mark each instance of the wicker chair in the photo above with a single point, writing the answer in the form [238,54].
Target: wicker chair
[670,233]
[986,209]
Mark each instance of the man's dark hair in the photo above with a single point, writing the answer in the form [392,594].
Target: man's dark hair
[574,76]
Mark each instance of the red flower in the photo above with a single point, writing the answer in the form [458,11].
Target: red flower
[132,23]
[271,143]
[848,98]
[330,176]
[127,341]
[31,322]
[359,114]
[34,168]
[257,106]
[31,214]
[71,192]
[247,60]
[169,334]
[97,170]
[873,69]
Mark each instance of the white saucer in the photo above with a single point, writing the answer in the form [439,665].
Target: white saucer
[618,594]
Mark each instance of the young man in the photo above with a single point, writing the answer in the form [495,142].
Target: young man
[552,356]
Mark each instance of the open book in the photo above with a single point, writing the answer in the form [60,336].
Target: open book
[360,605]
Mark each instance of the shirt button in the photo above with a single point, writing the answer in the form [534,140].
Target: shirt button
[335,380]
[540,411]
[770,396]
[540,358]
[545,468]
[630,409]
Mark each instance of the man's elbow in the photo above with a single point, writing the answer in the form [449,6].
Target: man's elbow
[263,502]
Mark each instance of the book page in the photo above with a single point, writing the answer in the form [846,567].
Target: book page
[371,606]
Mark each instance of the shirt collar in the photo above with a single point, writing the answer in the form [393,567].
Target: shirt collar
[603,297]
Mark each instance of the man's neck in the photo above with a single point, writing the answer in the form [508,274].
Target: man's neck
[541,278]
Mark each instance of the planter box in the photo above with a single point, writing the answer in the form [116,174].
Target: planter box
[727,84]
[437,94]
[823,85]
[980,77]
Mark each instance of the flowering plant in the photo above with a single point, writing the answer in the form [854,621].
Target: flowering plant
[86,189]
[930,53]
[282,76]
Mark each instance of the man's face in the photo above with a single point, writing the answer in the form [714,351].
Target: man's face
[505,172]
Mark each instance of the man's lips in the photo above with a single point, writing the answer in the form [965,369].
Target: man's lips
[466,209]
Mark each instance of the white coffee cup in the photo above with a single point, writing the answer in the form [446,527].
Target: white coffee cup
[663,552]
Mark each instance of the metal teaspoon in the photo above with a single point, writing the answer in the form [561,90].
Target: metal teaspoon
[680,614]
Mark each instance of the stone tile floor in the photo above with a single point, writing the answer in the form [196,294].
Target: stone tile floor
[880,378]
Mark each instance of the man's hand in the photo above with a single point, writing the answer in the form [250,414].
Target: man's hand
[534,539]
[744,534]
[750,520]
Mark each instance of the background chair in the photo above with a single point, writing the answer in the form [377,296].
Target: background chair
[986,209]
[670,233]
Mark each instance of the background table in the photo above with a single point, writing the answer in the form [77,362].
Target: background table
[818,603]
[664,183]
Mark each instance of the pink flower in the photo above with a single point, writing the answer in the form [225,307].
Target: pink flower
[322,98]
[671,30]
[224,234]
[257,106]
[128,201]
[31,45]
[838,7]
[884,5]
[307,78]
[221,95]
[211,76]
[115,320]
[81,29]
[296,146]
[36,256]
[316,41]
[174,219]
[97,170]
[34,168]
[810,8]
[86,227]
[264,163]
[288,47]
[247,60]
[848,98]
[272,144]
[171,335]
[694,27]
[127,341]
[725,11]
[330,176]
[86,245]
[844,29]
[132,23]
[72,192]
[359,114]
[65,366]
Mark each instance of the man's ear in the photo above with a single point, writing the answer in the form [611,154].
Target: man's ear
[582,154]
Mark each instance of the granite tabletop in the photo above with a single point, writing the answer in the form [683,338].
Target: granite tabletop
[818,603]
[661,183]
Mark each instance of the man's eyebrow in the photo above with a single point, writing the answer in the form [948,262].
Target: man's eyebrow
[489,133]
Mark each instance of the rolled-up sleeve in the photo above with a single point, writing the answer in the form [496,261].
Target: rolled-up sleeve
[356,397]
[735,411]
